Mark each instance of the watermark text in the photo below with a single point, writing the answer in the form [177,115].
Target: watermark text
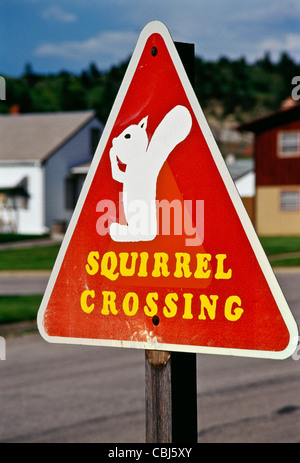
[2,88]
[296,89]
[147,219]
[2,348]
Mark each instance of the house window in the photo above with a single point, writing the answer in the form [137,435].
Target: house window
[289,144]
[20,202]
[289,201]
[22,196]
[95,137]
[73,186]
[16,195]
[70,193]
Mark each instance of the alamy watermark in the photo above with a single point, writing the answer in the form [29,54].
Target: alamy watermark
[149,219]
[296,354]
[296,90]
[2,348]
[2,88]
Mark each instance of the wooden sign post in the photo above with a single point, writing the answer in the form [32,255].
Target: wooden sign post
[171,377]
[171,397]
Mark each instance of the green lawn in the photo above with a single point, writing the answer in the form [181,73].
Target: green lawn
[280,244]
[36,258]
[19,308]
[292,262]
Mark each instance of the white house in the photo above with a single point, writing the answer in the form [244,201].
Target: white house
[242,172]
[39,155]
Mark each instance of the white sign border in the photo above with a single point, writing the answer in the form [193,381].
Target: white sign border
[160,28]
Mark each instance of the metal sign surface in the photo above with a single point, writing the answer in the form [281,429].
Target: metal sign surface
[160,253]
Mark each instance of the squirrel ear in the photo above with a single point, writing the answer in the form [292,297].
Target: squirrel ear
[143,123]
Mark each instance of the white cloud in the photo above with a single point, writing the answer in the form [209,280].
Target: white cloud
[105,48]
[233,28]
[55,13]
[269,11]
[289,43]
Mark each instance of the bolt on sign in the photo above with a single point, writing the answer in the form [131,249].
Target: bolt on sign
[160,253]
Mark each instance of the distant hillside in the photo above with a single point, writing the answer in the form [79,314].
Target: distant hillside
[225,88]
[245,90]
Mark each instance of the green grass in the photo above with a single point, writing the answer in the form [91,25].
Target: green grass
[36,258]
[292,262]
[276,245]
[19,308]
[280,244]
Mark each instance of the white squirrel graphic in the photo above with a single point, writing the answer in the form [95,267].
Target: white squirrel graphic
[143,162]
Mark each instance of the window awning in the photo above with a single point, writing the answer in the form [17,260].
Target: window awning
[80,169]
[13,188]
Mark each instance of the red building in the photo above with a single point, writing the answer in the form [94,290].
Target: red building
[277,166]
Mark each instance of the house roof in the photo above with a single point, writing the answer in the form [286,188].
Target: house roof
[287,114]
[34,137]
[240,168]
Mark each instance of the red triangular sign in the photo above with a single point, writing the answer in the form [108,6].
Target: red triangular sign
[161,254]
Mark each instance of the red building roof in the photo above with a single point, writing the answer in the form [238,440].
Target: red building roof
[289,112]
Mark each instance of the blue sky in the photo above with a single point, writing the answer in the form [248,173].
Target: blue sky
[70,34]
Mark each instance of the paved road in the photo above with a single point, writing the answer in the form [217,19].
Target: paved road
[23,282]
[56,393]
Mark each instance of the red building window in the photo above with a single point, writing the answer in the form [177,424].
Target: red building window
[289,144]
[289,200]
